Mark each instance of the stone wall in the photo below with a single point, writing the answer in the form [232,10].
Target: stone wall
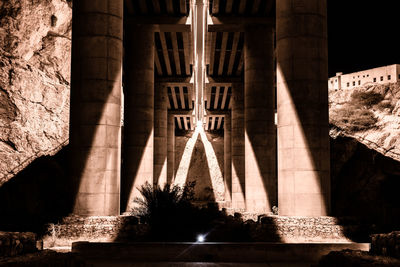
[266,229]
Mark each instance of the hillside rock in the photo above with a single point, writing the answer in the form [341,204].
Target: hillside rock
[382,103]
[35,44]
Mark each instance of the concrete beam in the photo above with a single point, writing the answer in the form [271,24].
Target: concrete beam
[161,23]
[237,24]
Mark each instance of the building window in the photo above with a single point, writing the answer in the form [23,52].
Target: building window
[348,84]
[354,83]
[359,82]
[389,77]
[374,80]
[381,78]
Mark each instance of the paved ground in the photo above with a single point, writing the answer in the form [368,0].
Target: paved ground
[195,264]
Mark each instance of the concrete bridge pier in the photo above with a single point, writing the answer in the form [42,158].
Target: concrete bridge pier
[171,149]
[96,73]
[139,112]
[160,134]
[237,150]
[302,99]
[227,160]
[259,113]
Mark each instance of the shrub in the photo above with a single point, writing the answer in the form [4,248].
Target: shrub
[385,105]
[353,119]
[169,212]
[171,216]
[365,98]
[158,203]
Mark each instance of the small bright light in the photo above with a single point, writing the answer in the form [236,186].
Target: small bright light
[200,238]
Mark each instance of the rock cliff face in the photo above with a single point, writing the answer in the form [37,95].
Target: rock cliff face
[35,42]
[369,114]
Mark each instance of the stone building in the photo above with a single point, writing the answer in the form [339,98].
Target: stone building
[380,75]
[198,67]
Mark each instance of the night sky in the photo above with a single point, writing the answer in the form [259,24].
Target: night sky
[363,34]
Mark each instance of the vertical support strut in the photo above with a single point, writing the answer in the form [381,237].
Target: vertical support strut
[199,23]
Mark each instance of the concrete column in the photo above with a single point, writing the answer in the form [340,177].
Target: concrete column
[303,140]
[160,134]
[259,114]
[171,149]
[96,106]
[139,112]
[227,160]
[237,151]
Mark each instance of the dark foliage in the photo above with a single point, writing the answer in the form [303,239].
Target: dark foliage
[172,217]
[354,119]
[366,98]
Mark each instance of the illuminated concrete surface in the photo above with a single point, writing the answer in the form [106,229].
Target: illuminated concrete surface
[237,151]
[171,148]
[160,134]
[228,160]
[96,106]
[302,99]
[166,63]
[260,130]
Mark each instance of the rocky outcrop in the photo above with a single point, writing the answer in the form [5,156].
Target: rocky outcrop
[35,44]
[380,132]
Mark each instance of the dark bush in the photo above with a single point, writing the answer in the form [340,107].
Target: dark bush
[171,216]
[366,98]
[354,119]
[385,105]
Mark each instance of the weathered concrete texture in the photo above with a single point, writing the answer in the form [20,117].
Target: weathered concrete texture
[171,148]
[139,113]
[259,113]
[192,164]
[228,160]
[303,140]
[237,151]
[160,134]
[34,81]
[96,105]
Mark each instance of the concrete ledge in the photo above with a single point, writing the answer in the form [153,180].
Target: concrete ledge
[211,252]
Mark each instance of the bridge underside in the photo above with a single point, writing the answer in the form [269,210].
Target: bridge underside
[152,86]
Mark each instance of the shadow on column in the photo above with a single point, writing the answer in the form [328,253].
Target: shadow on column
[137,156]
